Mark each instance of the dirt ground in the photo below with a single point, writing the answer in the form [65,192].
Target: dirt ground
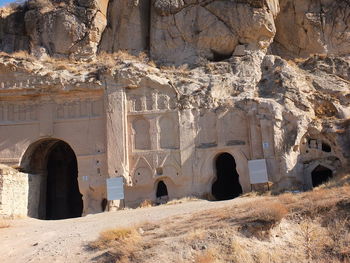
[32,240]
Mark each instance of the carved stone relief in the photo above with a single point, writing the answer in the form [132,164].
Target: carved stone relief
[79,109]
[18,113]
[141,131]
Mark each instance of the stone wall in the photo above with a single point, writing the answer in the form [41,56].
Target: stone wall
[13,192]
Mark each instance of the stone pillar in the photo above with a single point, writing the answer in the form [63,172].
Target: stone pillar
[117,159]
[267,135]
[154,133]
[116,136]
[267,138]
[256,151]
[187,137]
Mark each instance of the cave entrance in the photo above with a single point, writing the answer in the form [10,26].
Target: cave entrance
[53,182]
[321,175]
[227,184]
[162,193]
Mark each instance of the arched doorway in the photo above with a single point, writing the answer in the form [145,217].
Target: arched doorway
[162,193]
[53,187]
[321,175]
[227,184]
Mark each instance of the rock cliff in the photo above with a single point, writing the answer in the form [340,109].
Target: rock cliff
[177,31]
[288,57]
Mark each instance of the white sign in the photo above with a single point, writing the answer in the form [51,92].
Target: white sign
[115,188]
[257,171]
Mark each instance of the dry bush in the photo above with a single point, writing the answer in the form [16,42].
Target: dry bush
[22,54]
[124,55]
[239,253]
[340,179]
[339,233]
[4,223]
[146,203]
[195,234]
[315,239]
[208,196]
[182,200]
[108,59]
[315,203]
[121,244]
[287,198]
[262,217]
[116,237]
[270,212]
[208,256]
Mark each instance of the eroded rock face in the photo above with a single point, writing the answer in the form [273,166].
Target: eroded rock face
[13,35]
[178,31]
[67,30]
[128,26]
[209,29]
[314,27]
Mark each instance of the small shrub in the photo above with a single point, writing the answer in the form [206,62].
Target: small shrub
[182,200]
[4,223]
[121,244]
[339,232]
[315,239]
[263,216]
[195,234]
[239,253]
[208,256]
[146,203]
[114,237]
[270,212]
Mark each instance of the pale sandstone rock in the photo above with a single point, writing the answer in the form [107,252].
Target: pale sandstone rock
[67,31]
[147,124]
[211,30]
[314,27]
[128,27]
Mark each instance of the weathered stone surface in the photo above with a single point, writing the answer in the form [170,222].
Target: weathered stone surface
[210,30]
[153,125]
[128,26]
[314,27]
[12,31]
[13,192]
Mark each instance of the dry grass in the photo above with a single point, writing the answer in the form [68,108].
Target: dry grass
[112,237]
[305,227]
[270,211]
[146,203]
[22,54]
[182,200]
[262,217]
[208,256]
[195,234]
[240,253]
[112,59]
[4,223]
[121,243]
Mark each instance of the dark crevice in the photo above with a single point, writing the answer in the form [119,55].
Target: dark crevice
[217,57]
